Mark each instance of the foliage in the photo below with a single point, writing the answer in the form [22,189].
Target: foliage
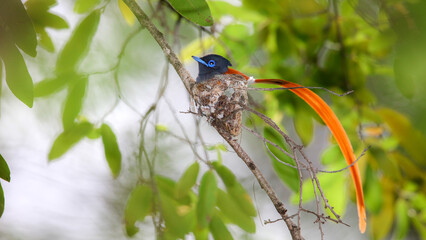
[375,48]
[185,211]
[344,45]
[5,175]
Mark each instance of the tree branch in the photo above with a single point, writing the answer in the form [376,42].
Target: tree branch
[279,206]
[158,36]
[188,81]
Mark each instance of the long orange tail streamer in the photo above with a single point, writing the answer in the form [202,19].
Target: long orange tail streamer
[330,119]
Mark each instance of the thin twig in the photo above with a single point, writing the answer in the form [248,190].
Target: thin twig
[324,217]
[288,88]
[200,137]
[279,206]
[184,132]
[347,167]
[272,143]
[188,81]
[277,220]
[270,122]
[318,185]
[291,156]
[158,36]
[312,172]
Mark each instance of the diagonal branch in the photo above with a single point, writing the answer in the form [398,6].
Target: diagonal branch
[279,206]
[159,37]
[188,81]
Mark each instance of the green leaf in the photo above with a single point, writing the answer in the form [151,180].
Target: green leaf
[382,43]
[194,48]
[131,230]
[161,128]
[407,167]
[52,85]
[231,211]
[179,219]
[166,185]
[112,151]
[402,219]
[369,10]
[4,169]
[95,133]
[17,77]
[410,138]
[127,13]
[82,6]
[38,12]
[404,79]
[382,223]
[219,148]
[18,25]
[52,21]
[196,11]
[69,138]
[331,155]
[225,174]
[334,187]
[78,45]
[304,125]
[39,5]
[201,233]
[206,198]
[419,225]
[1,200]
[373,192]
[187,180]
[287,174]
[45,40]
[236,190]
[223,8]
[387,164]
[418,201]
[138,206]
[1,76]
[74,102]
[219,230]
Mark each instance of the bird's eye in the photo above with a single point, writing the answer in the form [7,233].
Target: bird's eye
[212,63]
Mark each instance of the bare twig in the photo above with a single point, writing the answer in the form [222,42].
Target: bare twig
[279,206]
[186,137]
[316,185]
[270,122]
[291,142]
[188,81]
[309,167]
[273,144]
[200,137]
[158,36]
[347,167]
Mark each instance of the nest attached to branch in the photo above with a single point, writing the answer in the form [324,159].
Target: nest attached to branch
[221,100]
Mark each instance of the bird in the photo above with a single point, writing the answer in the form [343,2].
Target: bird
[213,64]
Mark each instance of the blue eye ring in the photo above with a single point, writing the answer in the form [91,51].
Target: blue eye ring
[212,63]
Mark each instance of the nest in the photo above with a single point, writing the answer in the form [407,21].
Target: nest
[221,100]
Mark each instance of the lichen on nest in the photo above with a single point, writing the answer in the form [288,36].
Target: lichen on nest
[221,100]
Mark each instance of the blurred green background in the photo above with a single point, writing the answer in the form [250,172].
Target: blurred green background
[84,84]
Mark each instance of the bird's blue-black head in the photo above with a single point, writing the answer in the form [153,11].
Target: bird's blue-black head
[211,65]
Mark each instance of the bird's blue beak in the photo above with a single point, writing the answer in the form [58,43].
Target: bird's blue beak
[200,60]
